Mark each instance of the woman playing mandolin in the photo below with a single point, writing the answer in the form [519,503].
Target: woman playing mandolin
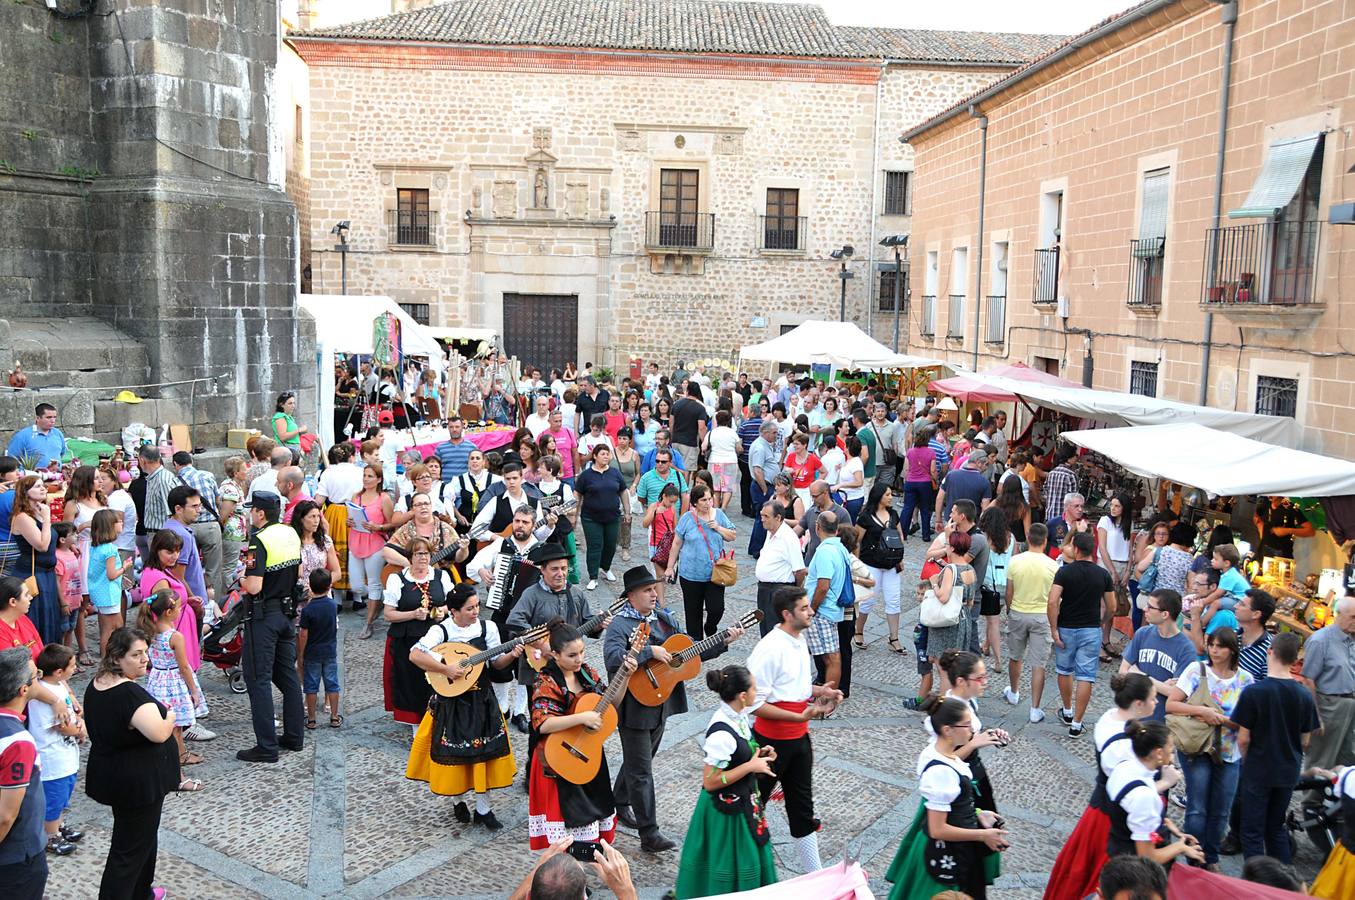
[462,744]
[414,599]
[557,808]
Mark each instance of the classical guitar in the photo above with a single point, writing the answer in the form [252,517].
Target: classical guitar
[441,556]
[576,754]
[653,683]
[537,658]
[560,509]
[474,661]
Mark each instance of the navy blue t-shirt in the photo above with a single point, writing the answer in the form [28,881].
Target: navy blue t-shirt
[320,618]
[1277,711]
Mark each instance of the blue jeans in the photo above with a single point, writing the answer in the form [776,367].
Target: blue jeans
[1209,799]
[1263,829]
[315,669]
[1079,654]
[918,495]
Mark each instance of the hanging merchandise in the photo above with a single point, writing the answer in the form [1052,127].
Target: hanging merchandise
[386,341]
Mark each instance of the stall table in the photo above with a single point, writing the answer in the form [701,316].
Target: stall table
[425,440]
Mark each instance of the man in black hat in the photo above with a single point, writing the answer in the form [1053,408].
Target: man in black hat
[640,726]
[269,650]
[550,597]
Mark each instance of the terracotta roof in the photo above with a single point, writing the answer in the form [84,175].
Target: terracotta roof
[681,26]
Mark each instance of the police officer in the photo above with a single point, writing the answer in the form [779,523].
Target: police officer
[269,652]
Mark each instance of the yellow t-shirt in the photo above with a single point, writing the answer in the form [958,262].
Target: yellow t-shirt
[1030,576]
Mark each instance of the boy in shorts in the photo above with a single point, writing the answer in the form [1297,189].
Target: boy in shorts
[317,649]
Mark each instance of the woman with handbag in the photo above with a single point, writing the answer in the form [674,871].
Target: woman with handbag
[1147,553]
[462,744]
[919,486]
[1138,818]
[949,604]
[35,543]
[703,569]
[661,520]
[952,845]
[1199,708]
[1114,532]
[882,552]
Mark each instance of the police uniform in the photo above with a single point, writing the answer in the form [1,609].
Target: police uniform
[269,652]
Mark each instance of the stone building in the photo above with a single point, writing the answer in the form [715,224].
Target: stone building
[599,181]
[1106,254]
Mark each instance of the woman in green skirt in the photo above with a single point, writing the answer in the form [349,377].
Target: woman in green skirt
[952,844]
[728,846]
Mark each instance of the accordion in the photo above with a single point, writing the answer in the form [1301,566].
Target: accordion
[513,574]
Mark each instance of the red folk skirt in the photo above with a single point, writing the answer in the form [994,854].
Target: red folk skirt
[1077,871]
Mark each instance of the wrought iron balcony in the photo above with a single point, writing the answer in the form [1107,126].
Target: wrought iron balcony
[781,232]
[1266,264]
[1047,275]
[679,231]
[928,325]
[996,330]
[412,227]
[1145,272]
[955,317]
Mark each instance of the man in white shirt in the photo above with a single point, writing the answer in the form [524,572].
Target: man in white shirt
[539,420]
[787,699]
[519,542]
[501,503]
[268,481]
[780,563]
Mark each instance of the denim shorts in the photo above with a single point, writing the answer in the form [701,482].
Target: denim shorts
[58,794]
[315,669]
[1080,655]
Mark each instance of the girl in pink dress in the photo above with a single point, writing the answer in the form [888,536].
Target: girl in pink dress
[159,575]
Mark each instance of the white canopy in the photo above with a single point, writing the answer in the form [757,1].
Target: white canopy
[1114,408]
[1219,462]
[343,324]
[840,343]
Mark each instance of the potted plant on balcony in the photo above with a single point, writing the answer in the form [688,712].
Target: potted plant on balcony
[1244,284]
[1217,292]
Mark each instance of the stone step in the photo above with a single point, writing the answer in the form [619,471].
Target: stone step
[101,381]
[76,345]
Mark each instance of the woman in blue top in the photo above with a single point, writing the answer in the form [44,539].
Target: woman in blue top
[698,541]
[645,428]
[603,502]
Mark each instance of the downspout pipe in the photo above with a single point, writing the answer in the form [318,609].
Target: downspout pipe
[1229,18]
[983,187]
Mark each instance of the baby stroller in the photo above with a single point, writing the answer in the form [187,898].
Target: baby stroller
[223,641]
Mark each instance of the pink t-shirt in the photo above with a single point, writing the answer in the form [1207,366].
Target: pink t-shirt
[187,624]
[565,444]
[920,461]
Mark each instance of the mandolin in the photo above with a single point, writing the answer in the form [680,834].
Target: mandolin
[538,657]
[474,661]
[576,754]
[654,682]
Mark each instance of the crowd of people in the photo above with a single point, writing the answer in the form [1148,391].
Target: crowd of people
[485,568]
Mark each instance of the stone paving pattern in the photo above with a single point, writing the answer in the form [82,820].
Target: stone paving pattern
[340,819]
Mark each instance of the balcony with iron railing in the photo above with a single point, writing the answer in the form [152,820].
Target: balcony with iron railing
[679,232]
[781,233]
[955,316]
[1145,274]
[1263,270]
[995,331]
[1046,275]
[412,227]
[927,327]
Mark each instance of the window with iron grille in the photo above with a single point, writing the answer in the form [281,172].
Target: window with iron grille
[781,227]
[411,216]
[886,294]
[1277,396]
[898,193]
[417,311]
[1143,378]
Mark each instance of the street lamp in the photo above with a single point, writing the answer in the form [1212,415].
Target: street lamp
[896,241]
[844,254]
[341,232]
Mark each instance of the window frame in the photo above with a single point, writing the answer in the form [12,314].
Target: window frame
[1272,384]
[1139,371]
[893,204]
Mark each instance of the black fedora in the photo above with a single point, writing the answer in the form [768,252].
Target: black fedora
[544,553]
[637,577]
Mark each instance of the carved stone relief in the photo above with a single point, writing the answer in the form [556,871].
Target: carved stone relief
[540,190]
[576,199]
[729,144]
[630,141]
[541,138]
[505,198]
[605,196]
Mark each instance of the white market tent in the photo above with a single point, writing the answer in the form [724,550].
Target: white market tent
[841,344]
[1114,408]
[343,324]
[1219,462]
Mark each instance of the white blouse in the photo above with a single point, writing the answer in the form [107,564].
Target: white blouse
[1142,805]
[940,786]
[447,630]
[391,595]
[719,747]
[1113,754]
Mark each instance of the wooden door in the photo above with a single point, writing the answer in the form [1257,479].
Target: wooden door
[541,330]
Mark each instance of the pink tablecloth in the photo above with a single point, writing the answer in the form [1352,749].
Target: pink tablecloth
[484,440]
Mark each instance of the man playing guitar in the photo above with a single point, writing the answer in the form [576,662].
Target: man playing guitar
[641,727]
[501,596]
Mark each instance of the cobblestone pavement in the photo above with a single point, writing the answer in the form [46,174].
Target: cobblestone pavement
[340,819]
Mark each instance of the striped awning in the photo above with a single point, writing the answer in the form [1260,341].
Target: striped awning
[1283,171]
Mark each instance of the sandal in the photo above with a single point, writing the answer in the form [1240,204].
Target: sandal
[894,645]
[335,721]
[190,759]
[310,724]
[859,641]
[85,659]
[1108,650]
[189,785]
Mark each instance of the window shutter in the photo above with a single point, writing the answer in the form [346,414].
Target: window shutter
[1153,213]
[1283,171]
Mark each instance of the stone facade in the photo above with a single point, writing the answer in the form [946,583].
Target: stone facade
[1146,99]
[477,129]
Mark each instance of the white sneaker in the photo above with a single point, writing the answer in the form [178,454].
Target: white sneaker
[1011,696]
[607,574]
[592,585]
[1036,714]
[197,732]
[202,710]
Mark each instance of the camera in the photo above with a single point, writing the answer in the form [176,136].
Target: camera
[583,850]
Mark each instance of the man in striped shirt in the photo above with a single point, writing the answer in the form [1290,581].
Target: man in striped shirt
[1253,611]
[749,429]
[940,444]
[1060,482]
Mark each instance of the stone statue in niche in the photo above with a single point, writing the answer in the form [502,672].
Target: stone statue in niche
[541,191]
[505,199]
[605,196]
[576,200]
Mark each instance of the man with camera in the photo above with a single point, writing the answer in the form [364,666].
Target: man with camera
[269,652]
[559,873]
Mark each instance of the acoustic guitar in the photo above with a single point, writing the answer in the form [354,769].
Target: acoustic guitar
[538,657]
[441,556]
[576,754]
[654,682]
[474,661]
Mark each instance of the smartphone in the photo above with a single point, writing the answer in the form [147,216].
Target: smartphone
[583,850]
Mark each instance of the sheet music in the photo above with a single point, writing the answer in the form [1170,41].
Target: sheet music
[357,518]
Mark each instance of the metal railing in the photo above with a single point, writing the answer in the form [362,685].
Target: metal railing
[781,232]
[995,332]
[1047,275]
[679,231]
[1145,271]
[1266,263]
[955,316]
[928,326]
[412,227]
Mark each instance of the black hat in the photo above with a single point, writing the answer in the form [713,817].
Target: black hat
[266,501]
[636,578]
[544,553]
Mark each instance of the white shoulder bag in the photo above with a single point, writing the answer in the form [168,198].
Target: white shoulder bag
[938,614]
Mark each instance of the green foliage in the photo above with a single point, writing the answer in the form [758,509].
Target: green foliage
[7,166]
[79,173]
[605,375]
[29,134]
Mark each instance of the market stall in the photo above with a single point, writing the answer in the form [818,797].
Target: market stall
[834,347]
[1222,472]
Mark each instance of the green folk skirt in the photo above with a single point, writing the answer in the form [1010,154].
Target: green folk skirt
[908,872]
[720,856]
